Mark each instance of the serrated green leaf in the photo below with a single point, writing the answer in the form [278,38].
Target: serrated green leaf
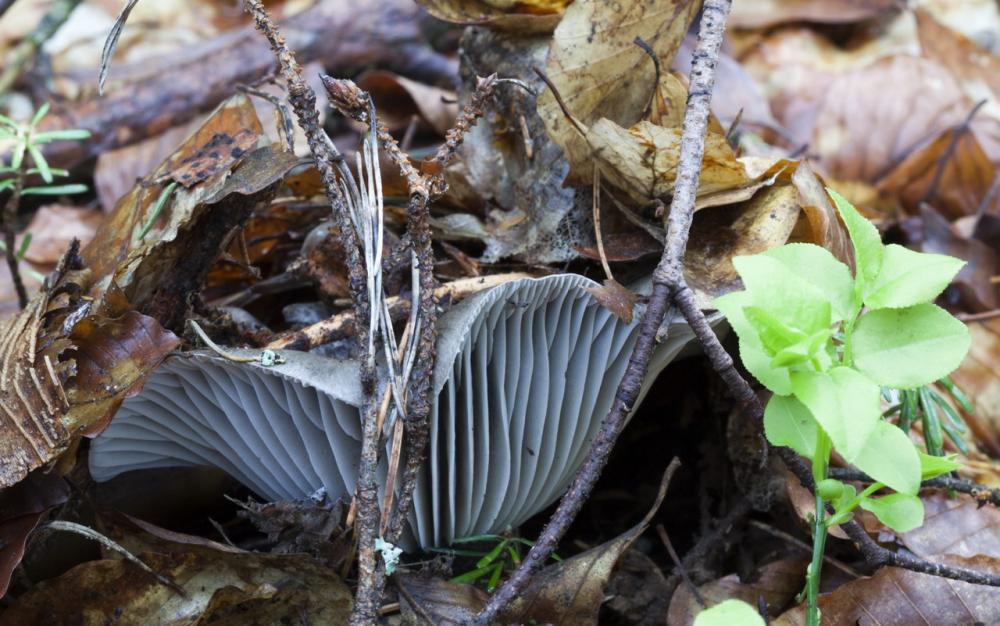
[822,270]
[809,349]
[752,352]
[908,277]
[774,335]
[787,422]
[899,511]
[933,466]
[911,347]
[777,289]
[844,403]
[729,613]
[889,457]
[868,249]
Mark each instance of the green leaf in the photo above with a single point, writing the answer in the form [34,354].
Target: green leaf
[74,134]
[907,278]
[844,402]
[808,349]
[911,347]
[933,466]
[492,554]
[55,190]
[17,154]
[774,335]
[40,163]
[899,511]
[40,114]
[776,288]
[868,249]
[787,422]
[843,505]
[752,352]
[729,613]
[822,270]
[890,458]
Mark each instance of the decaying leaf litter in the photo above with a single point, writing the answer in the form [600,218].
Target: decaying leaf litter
[417,325]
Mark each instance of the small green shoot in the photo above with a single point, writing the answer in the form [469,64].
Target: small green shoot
[827,344]
[504,556]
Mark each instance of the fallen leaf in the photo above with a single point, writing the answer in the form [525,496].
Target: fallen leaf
[777,582]
[956,526]
[977,376]
[437,601]
[54,227]
[616,298]
[221,588]
[531,17]
[23,505]
[114,356]
[976,70]
[951,173]
[642,161]
[897,597]
[973,282]
[600,73]
[859,134]
[398,99]
[765,13]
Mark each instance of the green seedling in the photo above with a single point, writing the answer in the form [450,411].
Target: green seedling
[826,343]
[505,555]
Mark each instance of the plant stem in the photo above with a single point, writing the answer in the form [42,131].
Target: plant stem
[820,463]
[7,225]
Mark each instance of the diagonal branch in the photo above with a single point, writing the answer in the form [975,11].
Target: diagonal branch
[666,278]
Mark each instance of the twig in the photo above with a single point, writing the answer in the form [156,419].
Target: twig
[25,51]
[665,538]
[597,224]
[7,225]
[979,317]
[90,533]
[668,272]
[303,101]
[981,493]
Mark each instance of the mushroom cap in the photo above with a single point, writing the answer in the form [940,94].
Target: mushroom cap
[525,373]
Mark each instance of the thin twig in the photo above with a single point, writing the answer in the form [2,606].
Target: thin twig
[90,533]
[679,567]
[667,272]
[981,493]
[7,225]
[597,224]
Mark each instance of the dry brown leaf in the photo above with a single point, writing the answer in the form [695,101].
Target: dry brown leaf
[23,505]
[442,601]
[54,227]
[979,379]
[114,356]
[957,526]
[601,73]
[764,13]
[973,282]
[777,582]
[958,169]
[531,17]
[570,593]
[977,71]
[860,134]
[221,588]
[615,297]
[398,99]
[896,597]
[642,161]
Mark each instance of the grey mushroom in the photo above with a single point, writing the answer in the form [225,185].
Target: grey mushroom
[525,373]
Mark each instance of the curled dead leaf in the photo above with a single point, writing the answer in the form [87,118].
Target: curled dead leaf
[523,17]
[615,297]
[601,73]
